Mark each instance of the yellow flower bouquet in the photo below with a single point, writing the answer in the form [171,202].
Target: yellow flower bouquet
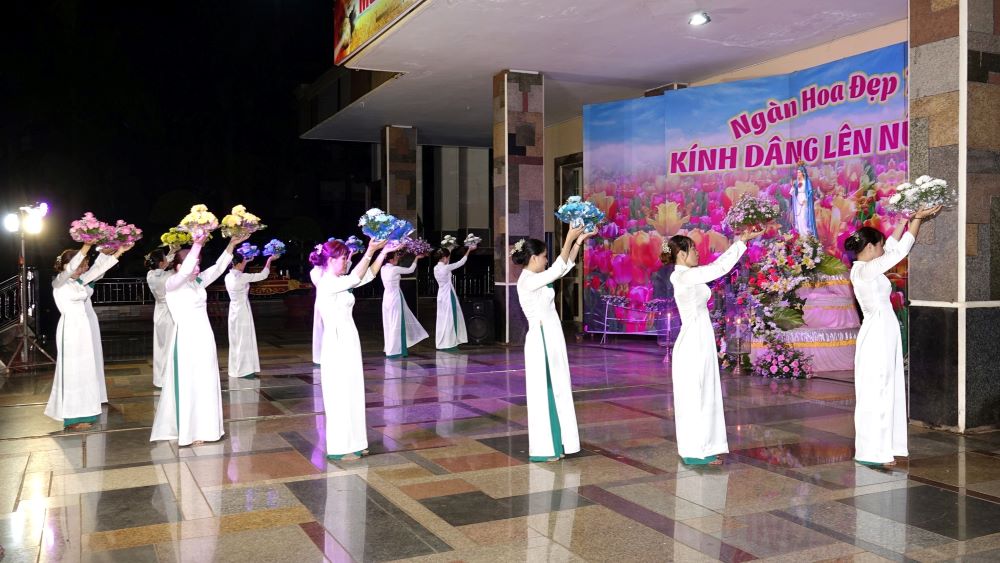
[240,222]
[175,237]
[199,221]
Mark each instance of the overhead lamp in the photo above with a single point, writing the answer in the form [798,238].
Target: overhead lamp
[27,220]
[699,18]
[11,222]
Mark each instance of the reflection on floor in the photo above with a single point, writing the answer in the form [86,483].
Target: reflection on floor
[449,479]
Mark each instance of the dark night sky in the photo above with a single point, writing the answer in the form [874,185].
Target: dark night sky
[138,110]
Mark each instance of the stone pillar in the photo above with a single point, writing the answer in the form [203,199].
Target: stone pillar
[518,186]
[399,172]
[955,268]
[399,189]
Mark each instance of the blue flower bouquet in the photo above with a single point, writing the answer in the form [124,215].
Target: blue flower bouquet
[580,213]
[378,224]
[354,244]
[274,248]
[401,229]
[248,251]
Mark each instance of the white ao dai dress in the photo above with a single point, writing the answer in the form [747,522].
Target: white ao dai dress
[341,372]
[552,429]
[101,265]
[78,388]
[244,359]
[317,341]
[190,404]
[450,329]
[879,385]
[698,414]
[400,327]
[163,323]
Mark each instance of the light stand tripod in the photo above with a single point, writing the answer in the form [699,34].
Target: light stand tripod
[28,219]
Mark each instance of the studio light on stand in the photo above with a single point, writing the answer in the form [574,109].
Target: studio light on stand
[27,220]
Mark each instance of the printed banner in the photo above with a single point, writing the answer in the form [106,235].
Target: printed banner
[676,163]
[358,22]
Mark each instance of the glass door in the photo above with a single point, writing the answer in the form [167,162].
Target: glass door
[569,182]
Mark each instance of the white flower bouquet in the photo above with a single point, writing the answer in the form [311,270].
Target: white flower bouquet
[924,192]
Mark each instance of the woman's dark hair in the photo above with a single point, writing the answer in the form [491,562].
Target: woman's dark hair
[179,258]
[862,238]
[441,253]
[675,245]
[64,258]
[326,251]
[531,247]
[154,258]
[238,259]
[390,256]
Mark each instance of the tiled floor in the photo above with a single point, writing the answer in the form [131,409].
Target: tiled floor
[449,478]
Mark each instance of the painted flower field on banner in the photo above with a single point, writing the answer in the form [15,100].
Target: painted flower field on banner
[853,150]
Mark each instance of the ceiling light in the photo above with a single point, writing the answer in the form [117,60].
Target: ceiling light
[700,18]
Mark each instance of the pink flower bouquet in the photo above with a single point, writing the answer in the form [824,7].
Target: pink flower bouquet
[88,229]
[780,361]
[118,235]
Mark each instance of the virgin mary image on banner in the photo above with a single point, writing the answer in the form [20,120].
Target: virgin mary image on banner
[803,203]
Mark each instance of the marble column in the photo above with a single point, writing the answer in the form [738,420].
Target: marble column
[399,189]
[955,268]
[518,186]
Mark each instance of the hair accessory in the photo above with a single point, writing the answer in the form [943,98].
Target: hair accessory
[518,247]
[856,236]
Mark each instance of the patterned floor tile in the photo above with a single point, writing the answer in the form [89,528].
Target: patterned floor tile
[448,477]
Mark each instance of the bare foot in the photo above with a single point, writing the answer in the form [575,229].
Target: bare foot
[198,443]
[717,462]
[351,457]
[80,426]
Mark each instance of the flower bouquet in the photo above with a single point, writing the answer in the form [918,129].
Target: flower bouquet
[449,242]
[240,222]
[200,221]
[377,224]
[401,230]
[472,240]
[924,192]
[175,237]
[248,251]
[779,360]
[354,244]
[274,248]
[580,213]
[88,229]
[751,213]
[417,247]
[118,235]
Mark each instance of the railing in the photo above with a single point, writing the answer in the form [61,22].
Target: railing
[135,291]
[623,318]
[466,285]
[474,285]
[121,291]
[10,303]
